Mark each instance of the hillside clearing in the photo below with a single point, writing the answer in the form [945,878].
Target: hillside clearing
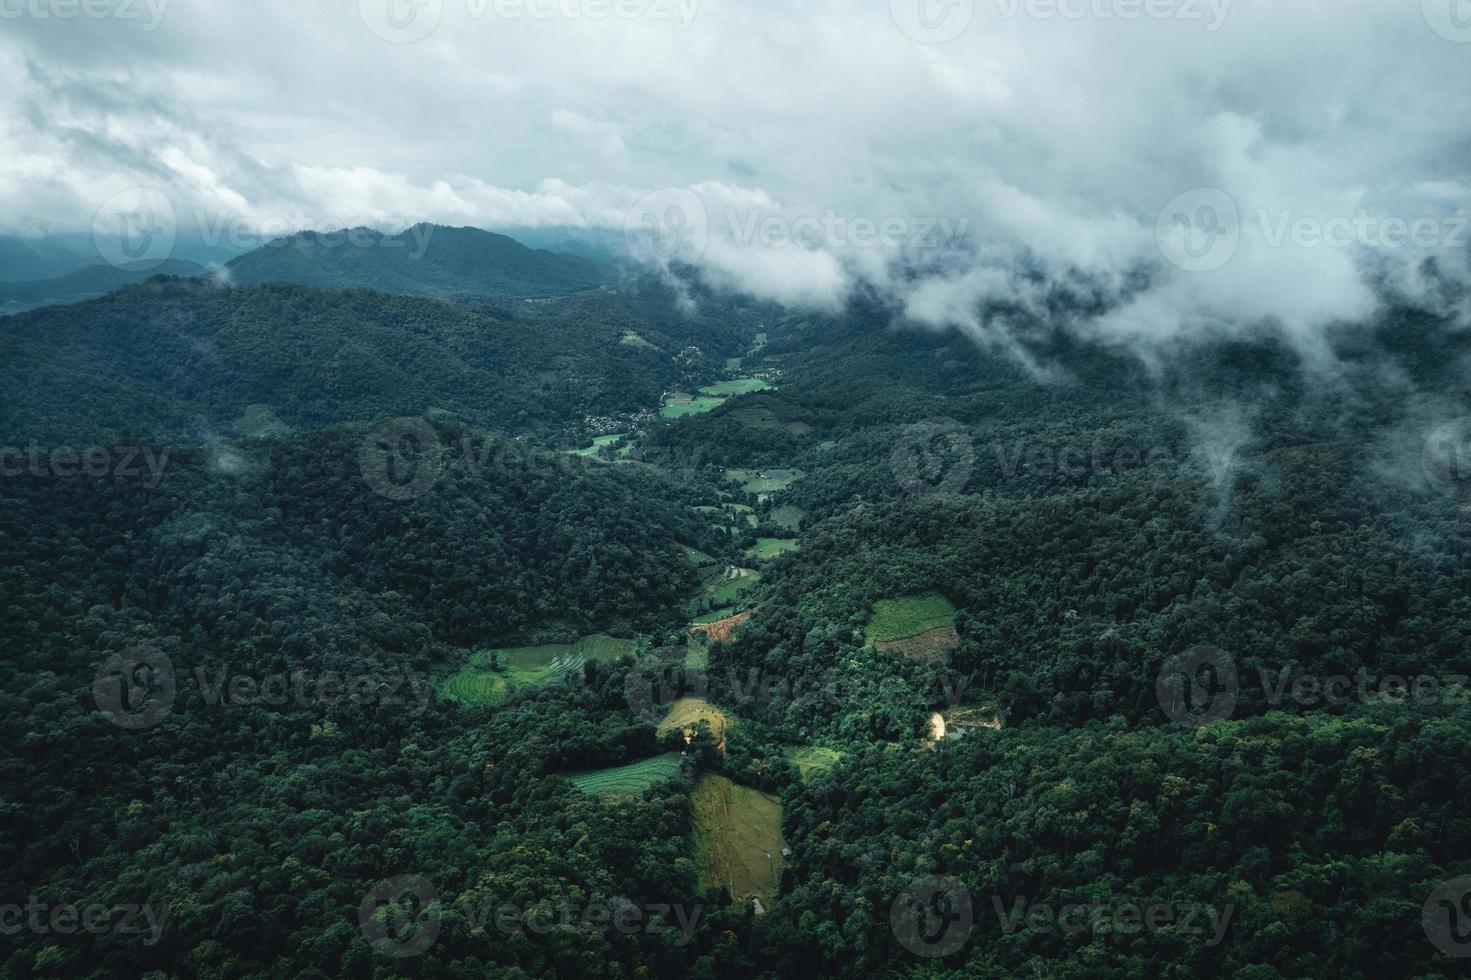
[629,780]
[737,838]
[685,713]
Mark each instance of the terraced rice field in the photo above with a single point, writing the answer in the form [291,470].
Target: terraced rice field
[476,684]
[629,780]
[737,838]
[551,663]
[731,584]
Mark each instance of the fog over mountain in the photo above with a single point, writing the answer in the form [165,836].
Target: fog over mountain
[1196,168]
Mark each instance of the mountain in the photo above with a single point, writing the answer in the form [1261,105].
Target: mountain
[425,260]
[175,358]
[86,283]
[26,259]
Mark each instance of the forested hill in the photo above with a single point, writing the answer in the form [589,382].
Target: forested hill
[189,360]
[88,283]
[425,260]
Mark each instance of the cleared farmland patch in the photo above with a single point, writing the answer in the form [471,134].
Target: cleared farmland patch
[476,685]
[771,547]
[629,780]
[597,444]
[737,386]
[685,713]
[919,628]
[765,481]
[552,662]
[811,759]
[900,619]
[721,630]
[737,838]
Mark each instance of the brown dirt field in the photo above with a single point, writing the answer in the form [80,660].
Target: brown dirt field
[926,647]
[721,631]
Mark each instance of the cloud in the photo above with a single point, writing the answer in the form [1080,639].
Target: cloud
[1055,140]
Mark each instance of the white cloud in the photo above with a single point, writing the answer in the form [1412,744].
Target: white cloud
[1058,141]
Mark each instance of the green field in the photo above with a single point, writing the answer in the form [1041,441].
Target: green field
[811,759]
[629,780]
[788,517]
[479,683]
[764,481]
[681,405]
[731,584]
[771,547]
[548,664]
[697,652]
[597,444]
[730,389]
[714,616]
[476,684]
[737,838]
[900,619]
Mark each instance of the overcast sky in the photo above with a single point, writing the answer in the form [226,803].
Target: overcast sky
[1249,155]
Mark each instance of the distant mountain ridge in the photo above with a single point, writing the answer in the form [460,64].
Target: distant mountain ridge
[425,260]
[87,283]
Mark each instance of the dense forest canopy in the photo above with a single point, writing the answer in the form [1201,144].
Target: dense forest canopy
[229,689]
